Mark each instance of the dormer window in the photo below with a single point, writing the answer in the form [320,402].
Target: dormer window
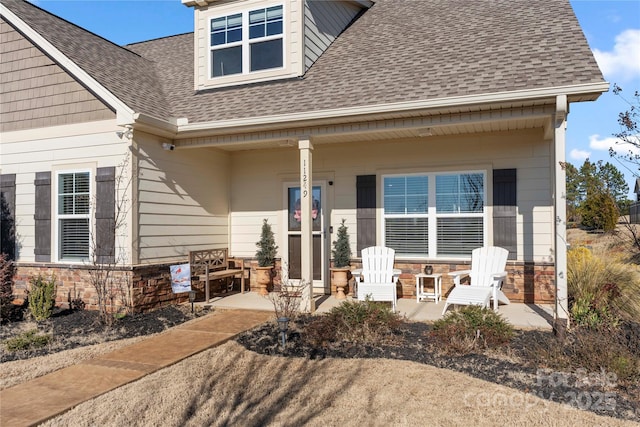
[246,42]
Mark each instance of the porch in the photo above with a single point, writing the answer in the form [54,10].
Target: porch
[520,315]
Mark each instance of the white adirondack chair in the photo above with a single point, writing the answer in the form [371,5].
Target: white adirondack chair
[377,274]
[486,277]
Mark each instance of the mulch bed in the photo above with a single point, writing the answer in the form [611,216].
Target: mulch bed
[76,328]
[510,366]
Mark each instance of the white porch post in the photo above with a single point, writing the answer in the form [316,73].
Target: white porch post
[306,224]
[561,320]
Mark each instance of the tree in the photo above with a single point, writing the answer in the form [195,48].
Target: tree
[573,193]
[629,135]
[595,194]
[107,266]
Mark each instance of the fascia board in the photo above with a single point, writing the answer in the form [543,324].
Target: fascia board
[433,104]
[124,114]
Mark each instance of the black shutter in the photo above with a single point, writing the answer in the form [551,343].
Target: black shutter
[366,211]
[42,217]
[105,215]
[505,210]
[8,215]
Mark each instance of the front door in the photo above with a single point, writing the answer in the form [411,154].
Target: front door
[293,238]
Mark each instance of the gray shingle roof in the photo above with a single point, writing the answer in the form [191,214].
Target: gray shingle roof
[399,50]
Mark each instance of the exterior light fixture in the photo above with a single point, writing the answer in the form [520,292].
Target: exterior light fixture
[192,299]
[283,325]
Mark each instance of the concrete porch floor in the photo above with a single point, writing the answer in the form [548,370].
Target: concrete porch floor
[538,316]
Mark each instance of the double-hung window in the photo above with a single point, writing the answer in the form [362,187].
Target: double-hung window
[246,42]
[434,214]
[73,207]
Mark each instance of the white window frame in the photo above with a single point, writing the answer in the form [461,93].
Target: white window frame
[58,217]
[432,215]
[246,42]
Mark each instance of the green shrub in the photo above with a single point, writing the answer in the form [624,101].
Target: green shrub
[601,288]
[7,270]
[471,328]
[355,321]
[42,297]
[27,340]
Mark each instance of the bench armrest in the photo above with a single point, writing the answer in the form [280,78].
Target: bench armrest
[458,274]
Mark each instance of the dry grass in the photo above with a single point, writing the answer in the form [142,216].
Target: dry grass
[232,386]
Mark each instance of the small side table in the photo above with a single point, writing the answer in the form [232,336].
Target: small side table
[437,287]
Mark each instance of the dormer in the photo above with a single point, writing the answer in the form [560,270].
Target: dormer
[248,41]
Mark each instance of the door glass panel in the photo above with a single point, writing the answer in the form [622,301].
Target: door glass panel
[294,238]
[294,209]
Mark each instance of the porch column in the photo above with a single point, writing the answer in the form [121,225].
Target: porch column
[306,223]
[561,320]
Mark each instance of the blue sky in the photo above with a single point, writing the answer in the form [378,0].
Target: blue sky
[612,29]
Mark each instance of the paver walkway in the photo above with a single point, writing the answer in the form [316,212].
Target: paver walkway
[36,401]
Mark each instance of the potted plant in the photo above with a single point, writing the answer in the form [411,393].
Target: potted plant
[341,259]
[266,255]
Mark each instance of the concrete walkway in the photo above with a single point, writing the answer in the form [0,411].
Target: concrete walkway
[524,316]
[36,401]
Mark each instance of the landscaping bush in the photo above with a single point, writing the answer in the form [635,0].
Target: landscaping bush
[601,289]
[604,350]
[355,321]
[42,297]
[27,340]
[6,288]
[471,328]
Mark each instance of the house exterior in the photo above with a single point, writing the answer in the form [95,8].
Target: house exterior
[634,209]
[432,127]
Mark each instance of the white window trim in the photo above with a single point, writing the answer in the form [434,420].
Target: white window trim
[433,216]
[246,44]
[57,217]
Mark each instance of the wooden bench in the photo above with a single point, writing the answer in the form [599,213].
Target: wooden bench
[215,264]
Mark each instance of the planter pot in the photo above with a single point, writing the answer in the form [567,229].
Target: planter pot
[263,279]
[340,280]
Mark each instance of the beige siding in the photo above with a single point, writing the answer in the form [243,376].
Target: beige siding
[323,22]
[183,201]
[38,93]
[258,177]
[26,152]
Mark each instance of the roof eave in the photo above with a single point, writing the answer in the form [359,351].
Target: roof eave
[575,93]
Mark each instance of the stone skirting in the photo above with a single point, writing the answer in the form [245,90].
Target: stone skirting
[526,282]
[149,286]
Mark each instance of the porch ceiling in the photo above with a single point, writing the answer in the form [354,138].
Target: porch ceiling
[406,125]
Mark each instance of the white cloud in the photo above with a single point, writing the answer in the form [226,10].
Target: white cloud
[623,62]
[598,143]
[580,155]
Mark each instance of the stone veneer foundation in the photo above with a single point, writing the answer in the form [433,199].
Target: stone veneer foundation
[151,284]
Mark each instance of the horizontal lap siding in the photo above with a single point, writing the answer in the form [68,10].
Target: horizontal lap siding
[28,152]
[183,201]
[258,177]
